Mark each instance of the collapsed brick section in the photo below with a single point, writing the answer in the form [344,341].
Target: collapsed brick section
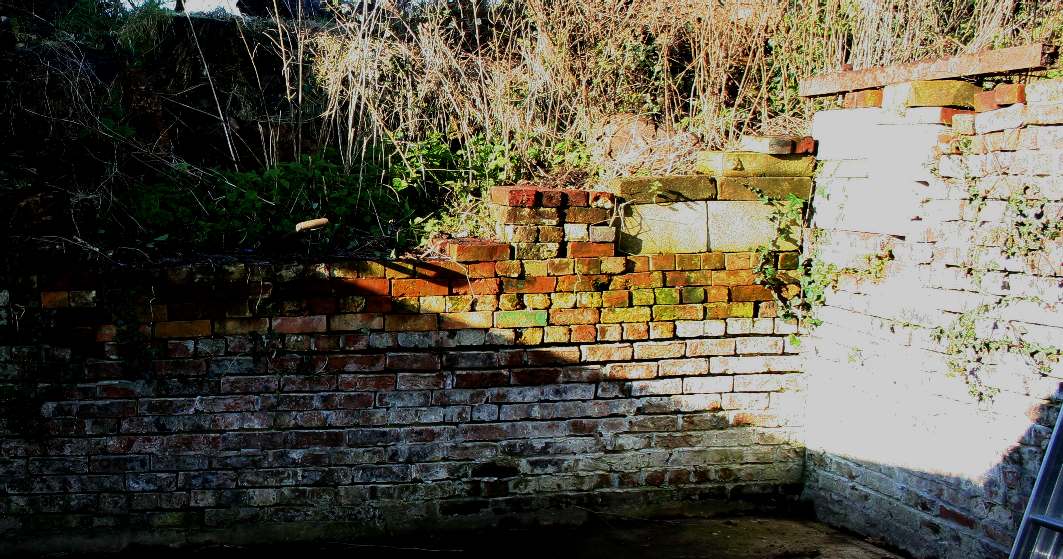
[510,377]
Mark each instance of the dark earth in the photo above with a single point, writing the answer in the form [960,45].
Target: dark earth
[605,538]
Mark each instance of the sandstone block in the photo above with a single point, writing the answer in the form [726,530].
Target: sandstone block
[678,227]
[743,188]
[735,226]
[675,188]
[930,93]
[749,164]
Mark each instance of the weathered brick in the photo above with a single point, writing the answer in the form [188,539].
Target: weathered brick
[298,324]
[520,319]
[606,352]
[182,329]
[590,249]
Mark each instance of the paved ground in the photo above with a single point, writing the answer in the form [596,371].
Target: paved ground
[605,538]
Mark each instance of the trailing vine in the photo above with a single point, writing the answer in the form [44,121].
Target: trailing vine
[967,351]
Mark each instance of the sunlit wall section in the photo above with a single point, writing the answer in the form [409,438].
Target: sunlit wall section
[933,377]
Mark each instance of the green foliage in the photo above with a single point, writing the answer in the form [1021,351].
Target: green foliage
[968,351]
[1031,227]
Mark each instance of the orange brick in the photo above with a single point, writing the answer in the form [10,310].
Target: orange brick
[689,277]
[476,250]
[637,280]
[751,293]
[805,146]
[588,265]
[584,333]
[521,197]
[182,329]
[581,249]
[662,261]
[508,268]
[569,317]
[418,288]
[738,260]
[732,277]
[485,286]
[618,298]
[716,294]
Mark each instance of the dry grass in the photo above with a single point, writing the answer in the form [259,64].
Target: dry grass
[558,68]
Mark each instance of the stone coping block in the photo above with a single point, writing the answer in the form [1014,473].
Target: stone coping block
[749,164]
[744,188]
[673,188]
[925,93]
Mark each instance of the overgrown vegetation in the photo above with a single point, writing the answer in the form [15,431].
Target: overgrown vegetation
[137,131]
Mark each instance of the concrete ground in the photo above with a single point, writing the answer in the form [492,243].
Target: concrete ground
[605,538]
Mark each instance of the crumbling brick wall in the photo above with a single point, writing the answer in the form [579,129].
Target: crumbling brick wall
[506,381]
[929,410]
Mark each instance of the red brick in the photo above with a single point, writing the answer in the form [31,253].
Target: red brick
[1010,93]
[522,197]
[567,317]
[577,197]
[368,286]
[600,199]
[985,101]
[476,250]
[805,146]
[182,329]
[299,324]
[751,293]
[716,294]
[418,288]
[541,284]
[485,286]
[552,198]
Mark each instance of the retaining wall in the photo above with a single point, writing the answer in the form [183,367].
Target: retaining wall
[506,382]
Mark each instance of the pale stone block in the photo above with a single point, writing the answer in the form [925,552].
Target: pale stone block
[741,226]
[659,189]
[678,227]
[1051,113]
[576,232]
[1013,116]
[1045,91]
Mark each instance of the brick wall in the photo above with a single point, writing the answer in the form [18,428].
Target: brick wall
[243,400]
[898,447]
